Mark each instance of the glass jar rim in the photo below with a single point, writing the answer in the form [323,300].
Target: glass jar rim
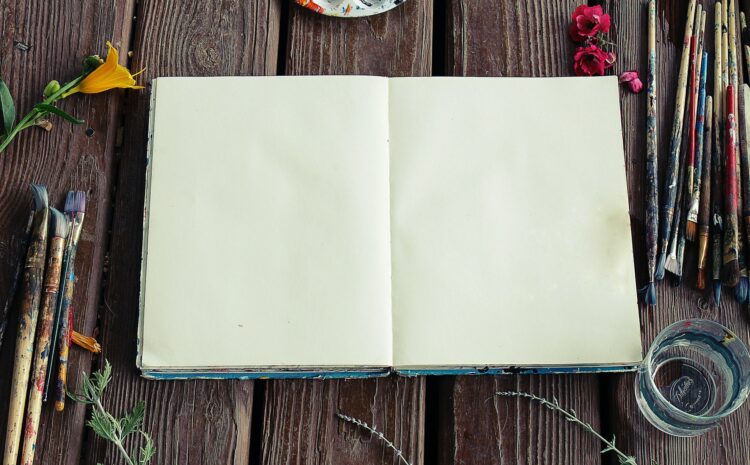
[660,397]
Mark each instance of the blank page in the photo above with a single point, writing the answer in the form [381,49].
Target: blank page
[267,235]
[509,222]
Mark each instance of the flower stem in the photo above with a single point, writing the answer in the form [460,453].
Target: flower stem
[34,115]
[118,432]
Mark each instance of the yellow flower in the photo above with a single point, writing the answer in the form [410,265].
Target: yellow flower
[109,75]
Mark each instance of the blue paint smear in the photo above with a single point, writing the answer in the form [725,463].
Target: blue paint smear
[156,375]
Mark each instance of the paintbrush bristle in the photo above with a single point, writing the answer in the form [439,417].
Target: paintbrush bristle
[75,202]
[676,280]
[740,290]
[717,291]
[672,265]
[659,275]
[41,200]
[692,228]
[731,273]
[701,282]
[58,223]
[650,296]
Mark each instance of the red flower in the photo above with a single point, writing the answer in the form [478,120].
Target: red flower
[588,21]
[632,80]
[592,61]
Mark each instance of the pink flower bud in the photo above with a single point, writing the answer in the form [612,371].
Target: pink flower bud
[632,80]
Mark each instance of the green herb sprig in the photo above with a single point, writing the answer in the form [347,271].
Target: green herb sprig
[106,426]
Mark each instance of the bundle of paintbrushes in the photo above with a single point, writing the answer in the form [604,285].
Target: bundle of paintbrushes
[45,320]
[706,193]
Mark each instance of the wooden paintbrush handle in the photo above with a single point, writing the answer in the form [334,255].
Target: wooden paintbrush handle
[652,195]
[673,167]
[66,327]
[731,265]
[704,207]
[29,312]
[43,349]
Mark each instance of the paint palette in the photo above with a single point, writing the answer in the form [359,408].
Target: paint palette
[350,8]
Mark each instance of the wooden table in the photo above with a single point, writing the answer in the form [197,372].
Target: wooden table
[438,420]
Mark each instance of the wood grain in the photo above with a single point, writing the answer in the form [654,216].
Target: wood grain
[397,43]
[727,444]
[299,422]
[490,38]
[192,422]
[39,41]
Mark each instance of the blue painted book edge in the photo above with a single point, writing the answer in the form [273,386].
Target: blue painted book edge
[158,375]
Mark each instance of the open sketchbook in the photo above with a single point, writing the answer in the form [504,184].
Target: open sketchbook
[353,226]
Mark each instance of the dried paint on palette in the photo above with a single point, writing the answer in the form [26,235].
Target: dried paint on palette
[349,8]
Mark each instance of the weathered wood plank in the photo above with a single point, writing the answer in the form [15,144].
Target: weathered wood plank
[40,41]
[299,423]
[491,38]
[192,422]
[727,444]
[397,43]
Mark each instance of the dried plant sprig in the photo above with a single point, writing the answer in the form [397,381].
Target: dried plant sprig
[377,434]
[106,426]
[571,416]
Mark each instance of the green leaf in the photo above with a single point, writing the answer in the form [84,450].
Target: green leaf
[147,451]
[8,108]
[133,420]
[56,111]
[102,425]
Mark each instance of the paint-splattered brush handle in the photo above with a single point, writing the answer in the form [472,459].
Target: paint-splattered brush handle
[718,88]
[717,202]
[652,190]
[699,129]
[57,314]
[14,282]
[63,343]
[42,350]
[31,295]
[673,168]
[730,267]
[705,196]
[696,56]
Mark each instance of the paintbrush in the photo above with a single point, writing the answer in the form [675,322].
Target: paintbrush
[32,288]
[58,234]
[705,197]
[718,97]
[673,166]
[696,61]
[744,41]
[724,54]
[717,222]
[694,199]
[676,267]
[732,58]
[743,178]
[741,289]
[75,209]
[14,281]
[730,267]
[652,177]
[671,263]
